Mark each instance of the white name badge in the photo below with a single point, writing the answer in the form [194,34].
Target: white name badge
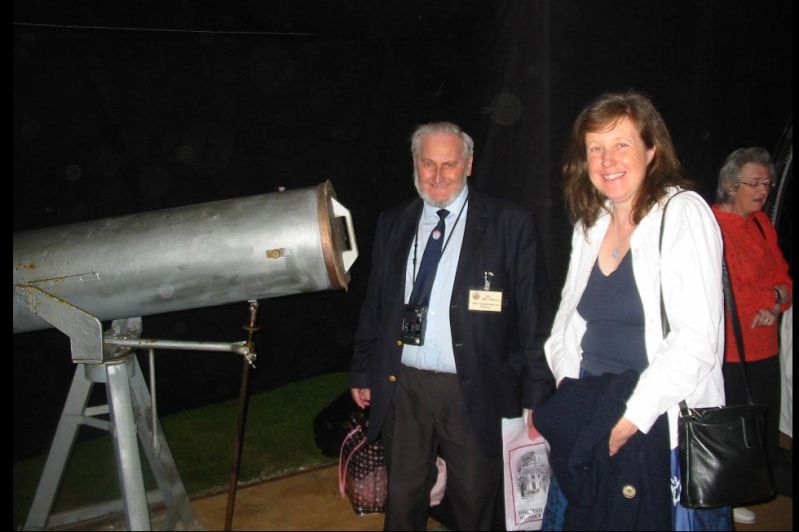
[485,300]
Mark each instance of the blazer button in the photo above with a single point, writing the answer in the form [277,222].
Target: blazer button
[399,343]
[628,491]
[392,378]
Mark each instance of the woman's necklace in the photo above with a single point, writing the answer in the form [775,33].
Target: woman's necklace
[621,237]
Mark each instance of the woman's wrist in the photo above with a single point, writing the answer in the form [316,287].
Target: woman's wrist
[778,298]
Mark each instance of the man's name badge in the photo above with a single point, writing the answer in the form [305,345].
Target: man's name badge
[485,300]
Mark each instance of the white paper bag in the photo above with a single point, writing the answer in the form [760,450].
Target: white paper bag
[527,473]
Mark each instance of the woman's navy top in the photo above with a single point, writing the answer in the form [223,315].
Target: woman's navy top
[614,337]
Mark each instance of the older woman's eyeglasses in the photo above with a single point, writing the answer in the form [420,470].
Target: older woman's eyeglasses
[767,185]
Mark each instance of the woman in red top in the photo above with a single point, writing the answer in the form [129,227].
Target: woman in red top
[761,286]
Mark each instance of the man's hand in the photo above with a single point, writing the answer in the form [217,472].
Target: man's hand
[361,396]
[532,432]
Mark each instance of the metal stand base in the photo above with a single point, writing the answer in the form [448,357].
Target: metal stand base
[129,406]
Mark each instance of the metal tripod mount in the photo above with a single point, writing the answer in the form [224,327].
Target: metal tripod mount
[109,359]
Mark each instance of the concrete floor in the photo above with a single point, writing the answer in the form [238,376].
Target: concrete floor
[304,501]
[773,515]
[310,501]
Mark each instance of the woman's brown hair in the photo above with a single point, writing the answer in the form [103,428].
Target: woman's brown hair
[583,201]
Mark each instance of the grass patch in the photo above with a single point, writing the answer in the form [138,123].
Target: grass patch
[278,440]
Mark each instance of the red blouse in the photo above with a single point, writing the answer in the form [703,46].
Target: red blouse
[756,266]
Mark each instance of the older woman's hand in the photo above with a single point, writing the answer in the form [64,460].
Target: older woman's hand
[764,318]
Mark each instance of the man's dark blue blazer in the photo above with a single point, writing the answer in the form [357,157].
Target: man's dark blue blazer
[499,356]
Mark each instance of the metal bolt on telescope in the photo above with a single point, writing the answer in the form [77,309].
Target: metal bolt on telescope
[72,277]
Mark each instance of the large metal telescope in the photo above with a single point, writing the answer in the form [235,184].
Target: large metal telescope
[214,253]
[120,269]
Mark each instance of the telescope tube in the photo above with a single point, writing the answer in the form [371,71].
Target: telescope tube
[255,247]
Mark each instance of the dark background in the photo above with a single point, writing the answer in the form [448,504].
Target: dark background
[126,108]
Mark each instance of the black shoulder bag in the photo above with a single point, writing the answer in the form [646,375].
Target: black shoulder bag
[723,458]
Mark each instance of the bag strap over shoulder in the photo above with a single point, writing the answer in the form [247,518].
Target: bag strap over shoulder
[729,298]
[759,227]
[664,318]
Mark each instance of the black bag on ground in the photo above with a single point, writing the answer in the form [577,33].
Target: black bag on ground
[330,425]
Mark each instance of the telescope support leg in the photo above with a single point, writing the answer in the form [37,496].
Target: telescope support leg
[159,456]
[130,409]
[60,449]
[126,450]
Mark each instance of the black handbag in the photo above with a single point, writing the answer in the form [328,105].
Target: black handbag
[722,449]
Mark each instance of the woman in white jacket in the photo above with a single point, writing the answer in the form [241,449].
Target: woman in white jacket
[620,169]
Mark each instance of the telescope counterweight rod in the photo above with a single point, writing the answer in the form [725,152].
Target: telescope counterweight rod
[235,347]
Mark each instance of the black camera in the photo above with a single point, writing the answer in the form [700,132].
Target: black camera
[413,324]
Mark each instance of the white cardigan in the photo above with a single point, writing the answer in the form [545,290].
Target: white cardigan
[687,363]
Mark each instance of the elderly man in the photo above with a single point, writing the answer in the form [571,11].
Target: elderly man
[449,339]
